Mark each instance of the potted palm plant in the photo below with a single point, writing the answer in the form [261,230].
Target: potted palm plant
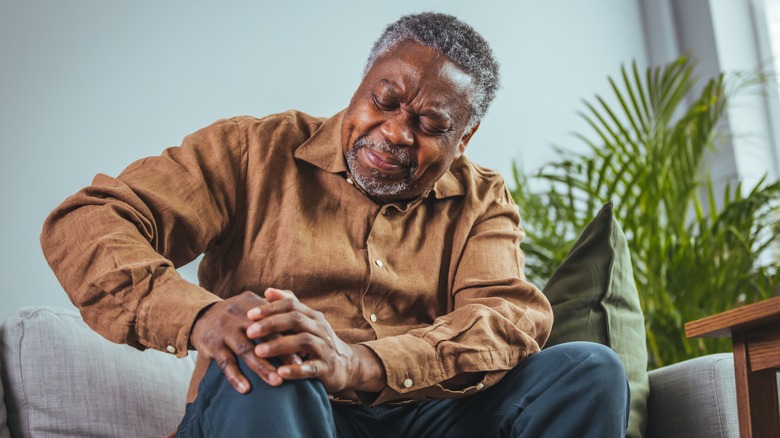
[695,252]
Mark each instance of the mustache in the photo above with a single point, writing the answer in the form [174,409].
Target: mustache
[399,153]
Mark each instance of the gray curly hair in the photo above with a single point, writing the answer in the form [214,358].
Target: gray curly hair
[453,38]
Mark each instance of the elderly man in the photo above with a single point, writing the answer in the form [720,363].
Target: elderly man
[361,276]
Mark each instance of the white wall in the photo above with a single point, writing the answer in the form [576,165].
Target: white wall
[90,86]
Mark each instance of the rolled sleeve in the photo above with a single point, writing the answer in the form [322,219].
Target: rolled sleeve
[115,245]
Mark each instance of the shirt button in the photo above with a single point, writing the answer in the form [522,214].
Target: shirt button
[408,383]
[171,349]
[480,386]
[349,181]
[372,318]
[379,263]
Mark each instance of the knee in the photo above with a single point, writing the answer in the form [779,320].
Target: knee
[295,408]
[216,387]
[593,361]
[598,366]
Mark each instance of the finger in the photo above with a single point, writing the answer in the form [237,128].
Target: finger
[227,363]
[291,359]
[311,369]
[288,359]
[281,306]
[269,308]
[254,313]
[273,294]
[261,367]
[292,344]
[290,322]
[244,348]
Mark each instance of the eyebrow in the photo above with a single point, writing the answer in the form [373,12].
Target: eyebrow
[389,86]
[435,113]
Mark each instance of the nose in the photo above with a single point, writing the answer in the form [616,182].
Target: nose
[398,130]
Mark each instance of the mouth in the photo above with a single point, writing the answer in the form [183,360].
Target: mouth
[382,169]
[383,159]
[384,162]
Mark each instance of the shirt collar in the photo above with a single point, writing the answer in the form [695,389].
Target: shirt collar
[323,149]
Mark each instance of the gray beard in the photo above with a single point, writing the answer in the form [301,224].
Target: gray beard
[375,184]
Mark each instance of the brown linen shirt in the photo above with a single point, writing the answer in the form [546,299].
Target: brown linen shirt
[434,287]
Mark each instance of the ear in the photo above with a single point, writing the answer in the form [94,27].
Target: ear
[465,140]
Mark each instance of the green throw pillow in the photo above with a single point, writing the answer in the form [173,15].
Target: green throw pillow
[594,298]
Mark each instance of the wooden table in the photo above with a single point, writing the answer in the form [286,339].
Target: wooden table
[755,334]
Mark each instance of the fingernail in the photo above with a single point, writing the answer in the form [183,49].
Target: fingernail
[297,360]
[284,371]
[274,378]
[242,387]
[254,313]
[254,330]
[261,350]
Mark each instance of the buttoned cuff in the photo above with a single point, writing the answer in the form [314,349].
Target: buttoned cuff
[166,316]
[418,372]
[417,368]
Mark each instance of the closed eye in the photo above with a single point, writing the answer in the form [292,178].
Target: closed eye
[384,103]
[433,127]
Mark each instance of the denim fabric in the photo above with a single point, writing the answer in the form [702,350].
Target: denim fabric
[570,390]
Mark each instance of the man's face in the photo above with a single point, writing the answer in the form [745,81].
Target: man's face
[406,123]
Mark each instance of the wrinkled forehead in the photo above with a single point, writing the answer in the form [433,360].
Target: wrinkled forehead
[411,67]
[420,55]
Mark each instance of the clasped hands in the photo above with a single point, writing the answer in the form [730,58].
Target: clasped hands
[299,336]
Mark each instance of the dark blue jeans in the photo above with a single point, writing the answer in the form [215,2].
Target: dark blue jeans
[571,390]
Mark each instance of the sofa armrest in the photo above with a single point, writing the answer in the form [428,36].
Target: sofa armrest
[695,398]
[63,379]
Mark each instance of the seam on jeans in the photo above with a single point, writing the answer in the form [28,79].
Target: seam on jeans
[186,428]
[206,419]
[206,425]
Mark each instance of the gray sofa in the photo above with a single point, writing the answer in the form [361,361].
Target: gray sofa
[60,379]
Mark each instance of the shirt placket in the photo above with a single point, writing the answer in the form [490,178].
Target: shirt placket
[380,267]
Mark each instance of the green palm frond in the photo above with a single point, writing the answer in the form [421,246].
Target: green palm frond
[646,152]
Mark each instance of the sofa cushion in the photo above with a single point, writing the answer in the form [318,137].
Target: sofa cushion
[64,380]
[4,433]
[695,398]
[594,298]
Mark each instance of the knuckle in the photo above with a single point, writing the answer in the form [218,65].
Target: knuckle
[242,349]
[249,298]
[224,362]
[287,304]
[232,309]
[211,336]
[307,339]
